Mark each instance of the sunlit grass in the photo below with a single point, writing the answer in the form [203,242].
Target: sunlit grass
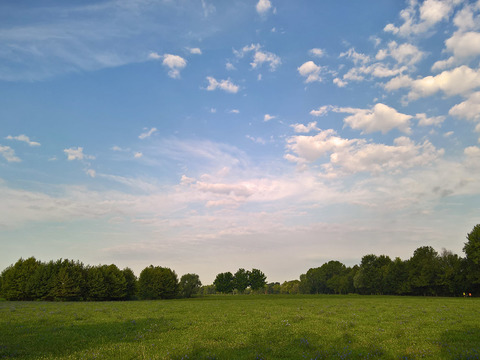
[244,327]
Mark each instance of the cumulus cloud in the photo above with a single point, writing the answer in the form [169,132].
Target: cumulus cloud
[420,19]
[175,63]
[195,51]
[137,155]
[225,85]
[259,57]
[317,52]
[381,118]
[423,120]
[310,71]
[355,56]
[322,110]
[263,6]
[148,133]
[92,173]
[406,54]
[463,45]
[459,81]
[300,128]
[23,138]
[348,156]
[9,154]
[76,154]
[468,109]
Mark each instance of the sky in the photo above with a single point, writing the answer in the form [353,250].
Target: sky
[207,136]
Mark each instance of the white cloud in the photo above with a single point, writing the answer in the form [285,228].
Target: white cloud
[317,52]
[263,6]
[261,57]
[322,110]
[406,54]
[380,118]
[459,81]
[418,20]
[257,140]
[230,67]
[468,109]
[349,156]
[175,63]
[9,154]
[76,154]
[355,57]
[463,45]
[195,51]
[138,155]
[23,138]
[234,111]
[268,117]
[311,71]
[147,134]
[300,128]
[339,82]
[92,173]
[225,85]
[426,121]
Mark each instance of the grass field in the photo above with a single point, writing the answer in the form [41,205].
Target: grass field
[244,327]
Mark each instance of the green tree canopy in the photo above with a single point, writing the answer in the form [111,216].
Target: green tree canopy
[189,285]
[157,282]
[224,282]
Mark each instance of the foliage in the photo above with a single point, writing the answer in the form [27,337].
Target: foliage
[224,282]
[157,282]
[189,285]
[257,279]
[241,280]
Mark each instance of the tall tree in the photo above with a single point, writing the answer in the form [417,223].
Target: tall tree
[424,269]
[257,279]
[189,285]
[472,252]
[132,283]
[157,283]
[224,282]
[241,279]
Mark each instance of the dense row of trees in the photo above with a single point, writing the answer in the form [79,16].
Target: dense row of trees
[31,279]
[240,281]
[425,273]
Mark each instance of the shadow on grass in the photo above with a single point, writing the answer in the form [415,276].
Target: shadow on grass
[61,339]
[461,344]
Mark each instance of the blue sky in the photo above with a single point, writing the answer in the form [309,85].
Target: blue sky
[206,135]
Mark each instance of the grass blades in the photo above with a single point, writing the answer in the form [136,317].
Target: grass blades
[244,327]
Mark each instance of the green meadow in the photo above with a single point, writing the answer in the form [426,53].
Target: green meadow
[244,327]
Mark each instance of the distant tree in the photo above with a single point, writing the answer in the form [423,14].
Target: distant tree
[189,285]
[451,279]
[424,269]
[396,278]
[241,280]
[157,283]
[132,285]
[17,280]
[69,283]
[207,290]
[290,287]
[472,252]
[257,279]
[115,282]
[370,278]
[273,288]
[224,282]
[96,288]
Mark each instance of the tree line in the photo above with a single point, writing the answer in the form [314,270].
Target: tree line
[68,280]
[426,273]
